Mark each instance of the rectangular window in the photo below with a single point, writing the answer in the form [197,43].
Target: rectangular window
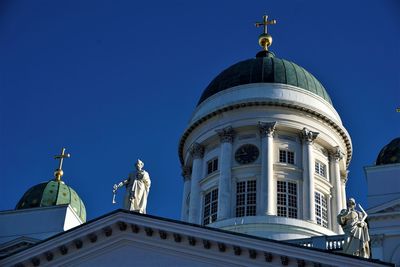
[212,165]
[210,207]
[286,156]
[321,209]
[286,199]
[246,198]
[320,168]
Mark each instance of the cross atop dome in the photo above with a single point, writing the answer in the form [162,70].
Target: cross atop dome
[265,39]
[59,172]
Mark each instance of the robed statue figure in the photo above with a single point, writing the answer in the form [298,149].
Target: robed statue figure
[137,189]
[355,230]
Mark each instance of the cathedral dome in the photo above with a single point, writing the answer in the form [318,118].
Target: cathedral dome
[390,153]
[265,68]
[52,193]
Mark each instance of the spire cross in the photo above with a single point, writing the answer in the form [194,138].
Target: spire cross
[265,23]
[59,172]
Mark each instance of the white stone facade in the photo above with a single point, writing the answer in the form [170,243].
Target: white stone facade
[273,118]
[384,211]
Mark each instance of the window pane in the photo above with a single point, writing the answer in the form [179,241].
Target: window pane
[286,199]
[246,198]
[290,157]
[210,207]
[282,156]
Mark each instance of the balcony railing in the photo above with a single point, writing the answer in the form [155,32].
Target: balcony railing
[332,243]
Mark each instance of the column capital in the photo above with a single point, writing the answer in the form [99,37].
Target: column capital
[343,176]
[226,134]
[266,128]
[336,154]
[196,150]
[308,136]
[186,172]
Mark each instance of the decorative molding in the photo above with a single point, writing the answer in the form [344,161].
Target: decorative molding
[343,176]
[206,244]
[122,226]
[221,247]
[197,150]
[285,260]
[228,242]
[163,234]
[336,154]
[226,134]
[237,250]
[252,253]
[49,255]
[135,228]
[266,128]
[308,136]
[268,257]
[334,125]
[186,172]
[107,231]
[192,240]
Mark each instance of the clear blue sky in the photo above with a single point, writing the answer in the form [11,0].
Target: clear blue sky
[116,80]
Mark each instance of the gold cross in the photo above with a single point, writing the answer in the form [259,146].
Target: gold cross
[265,23]
[59,172]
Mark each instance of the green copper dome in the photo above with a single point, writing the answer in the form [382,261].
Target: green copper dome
[52,193]
[390,153]
[265,68]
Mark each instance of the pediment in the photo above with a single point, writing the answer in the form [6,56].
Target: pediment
[388,207]
[123,238]
[19,243]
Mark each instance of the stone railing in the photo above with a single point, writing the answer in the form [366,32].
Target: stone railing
[332,243]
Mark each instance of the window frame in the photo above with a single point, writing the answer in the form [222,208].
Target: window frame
[211,215]
[286,156]
[321,169]
[287,197]
[214,165]
[246,209]
[321,209]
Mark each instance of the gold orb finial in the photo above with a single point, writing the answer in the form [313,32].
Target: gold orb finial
[58,173]
[265,39]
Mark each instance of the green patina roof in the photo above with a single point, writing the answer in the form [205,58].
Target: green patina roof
[390,153]
[52,193]
[265,68]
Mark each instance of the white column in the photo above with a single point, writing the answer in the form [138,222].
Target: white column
[343,184]
[308,138]
[225,174]
[186,172]
[335,156]
[197,152]
[267,205]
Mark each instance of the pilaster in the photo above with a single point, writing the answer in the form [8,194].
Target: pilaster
[226,136]
[267,205]
[186,174]
[197,153]
[335,156]
[308,138]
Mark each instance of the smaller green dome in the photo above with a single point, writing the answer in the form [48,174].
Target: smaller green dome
[390,153]
[52,193]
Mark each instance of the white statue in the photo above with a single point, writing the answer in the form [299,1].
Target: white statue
[137,189]
[355,229]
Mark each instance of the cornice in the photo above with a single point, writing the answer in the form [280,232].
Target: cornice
[163,233]
[275,103]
